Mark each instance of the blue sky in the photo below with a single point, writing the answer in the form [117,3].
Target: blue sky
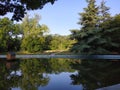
[63,14]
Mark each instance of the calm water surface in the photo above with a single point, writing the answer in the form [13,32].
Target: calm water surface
[58,74]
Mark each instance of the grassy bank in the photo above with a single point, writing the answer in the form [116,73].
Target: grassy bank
[57,52]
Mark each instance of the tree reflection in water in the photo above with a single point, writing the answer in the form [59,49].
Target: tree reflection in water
[9,79]
[35,71]
[33,74]
[30,74]
[93,74]
[26,74]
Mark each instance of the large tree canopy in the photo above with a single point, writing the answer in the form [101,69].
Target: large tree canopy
[19,7]
[99,33]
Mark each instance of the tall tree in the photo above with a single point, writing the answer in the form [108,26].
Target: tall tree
[90,16]
[95,36]
[33,34]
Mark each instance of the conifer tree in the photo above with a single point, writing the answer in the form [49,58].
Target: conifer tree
[104,16]
[89,17]
[104,12]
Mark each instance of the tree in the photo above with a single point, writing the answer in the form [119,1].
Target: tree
[19,7]
[104,14]
[95,37]
[59,42]
[112,31]
[9,35]
[103,41]
[56,42]
[90,16]
[48,39]
[33,34]
[89,21]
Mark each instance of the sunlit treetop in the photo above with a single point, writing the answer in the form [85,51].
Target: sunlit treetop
[19,7]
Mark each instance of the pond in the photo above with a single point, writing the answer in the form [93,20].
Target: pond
[58,74]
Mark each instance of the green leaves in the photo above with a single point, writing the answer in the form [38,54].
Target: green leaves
[8,35]
[33,34]
[59,42]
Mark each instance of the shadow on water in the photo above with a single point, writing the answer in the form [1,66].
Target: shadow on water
[58,73]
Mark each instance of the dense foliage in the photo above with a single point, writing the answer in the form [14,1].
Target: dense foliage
[59,42]
[33,39]
[30,36]
[99,33]
[9,35]
[97,42]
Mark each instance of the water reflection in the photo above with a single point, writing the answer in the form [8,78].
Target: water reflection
[96,74]
[9,74]
[54,74]
[34,74]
